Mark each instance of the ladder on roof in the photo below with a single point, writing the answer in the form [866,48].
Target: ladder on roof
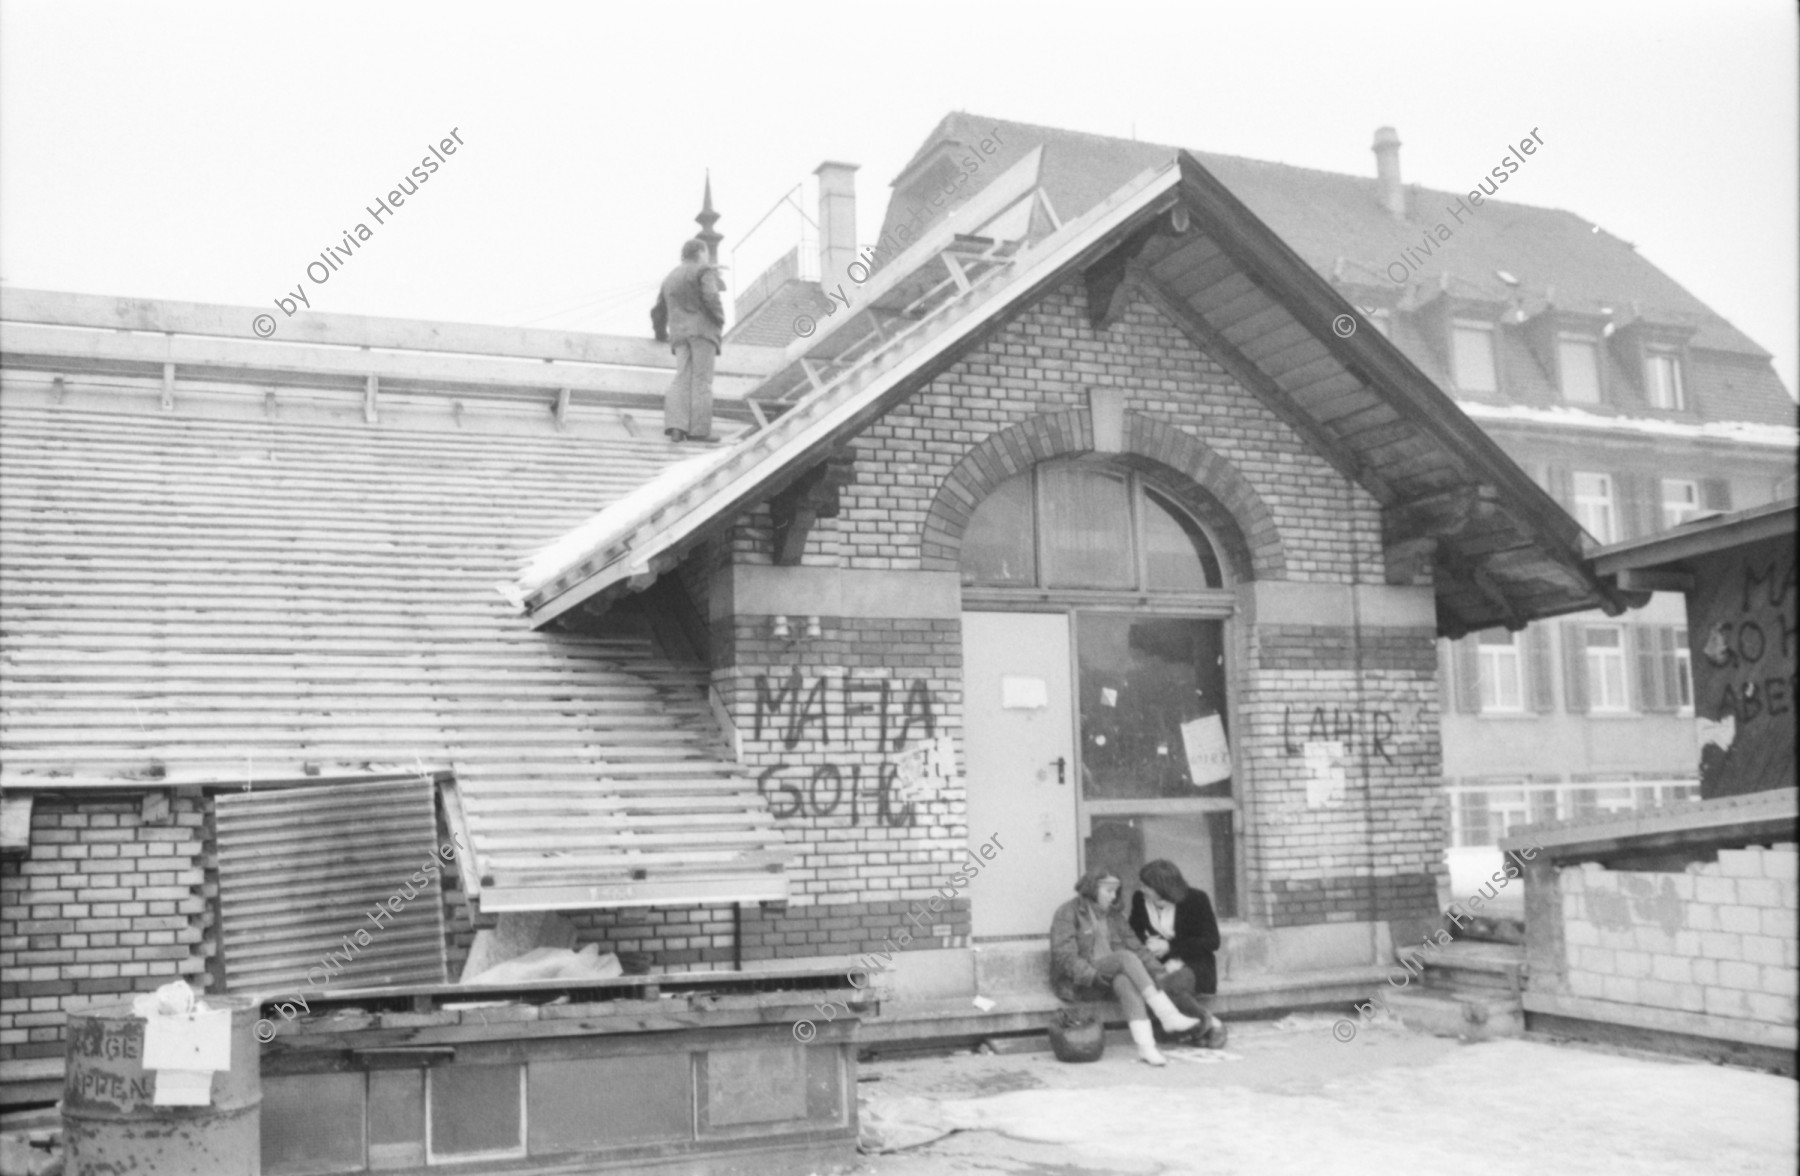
[933,292]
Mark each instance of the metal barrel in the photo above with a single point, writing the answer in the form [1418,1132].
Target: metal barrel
[111,1125]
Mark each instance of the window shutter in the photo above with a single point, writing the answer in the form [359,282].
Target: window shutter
[1651,689]
[1575,683]
[1561,484]
[1670,660]
[1540,670]
[1639,504]
[1715,494]
[1466,656]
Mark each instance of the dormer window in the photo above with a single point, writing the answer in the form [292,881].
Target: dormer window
[1578,366]
[1662,380]
[1472,354]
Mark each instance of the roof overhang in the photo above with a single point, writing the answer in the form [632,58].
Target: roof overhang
[1659,563]
[1503,550]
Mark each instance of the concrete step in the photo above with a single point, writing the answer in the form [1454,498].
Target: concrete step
[1030,1012]
[1467,1015]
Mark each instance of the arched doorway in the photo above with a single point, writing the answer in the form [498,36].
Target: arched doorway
[1096,686]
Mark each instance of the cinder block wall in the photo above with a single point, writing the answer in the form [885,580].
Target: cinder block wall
[1718,939]
[105,905]
[1286,514]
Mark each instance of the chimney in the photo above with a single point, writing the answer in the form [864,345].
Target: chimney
[837,220]
[1387,171]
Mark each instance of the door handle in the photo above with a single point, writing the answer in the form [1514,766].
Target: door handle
[1062,769]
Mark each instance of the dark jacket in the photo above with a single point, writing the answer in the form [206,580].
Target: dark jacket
[1072,934]
[1196,935]
[689,306]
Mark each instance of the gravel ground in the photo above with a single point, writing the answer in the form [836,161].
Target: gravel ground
[1287,1097]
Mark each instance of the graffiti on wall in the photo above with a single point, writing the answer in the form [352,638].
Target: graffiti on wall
[902,714]
[1373,730]
[1742,628]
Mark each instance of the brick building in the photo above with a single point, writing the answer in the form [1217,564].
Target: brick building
[1099,532]
[1636,405]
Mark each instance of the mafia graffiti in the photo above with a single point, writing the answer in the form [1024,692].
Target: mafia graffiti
[804,715]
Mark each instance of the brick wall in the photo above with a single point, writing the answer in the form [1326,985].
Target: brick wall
[821,722]
[104,905]
[1376,851]
[1044,362]
[1718,939]
[1279,511]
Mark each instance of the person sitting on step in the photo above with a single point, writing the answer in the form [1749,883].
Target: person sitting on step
[1176,924]
[1093,955]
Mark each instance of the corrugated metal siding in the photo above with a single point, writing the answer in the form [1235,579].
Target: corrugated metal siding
[303,870]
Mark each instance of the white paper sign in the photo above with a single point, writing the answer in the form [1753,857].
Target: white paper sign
[1324,773]
[1208,753]
[1109,696]
[183,1088]
[924,768]
[1024,693]
[188,1041]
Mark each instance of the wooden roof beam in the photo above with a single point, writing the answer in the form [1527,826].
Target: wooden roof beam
[1204,336]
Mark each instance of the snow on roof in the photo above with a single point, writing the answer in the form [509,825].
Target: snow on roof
[1739,432]
[616,521]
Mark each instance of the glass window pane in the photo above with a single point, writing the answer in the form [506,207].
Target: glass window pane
[1663,378]
[1473,346]
[1086,528]
[1579,360]
[1200,845]
[997,548]
[1152,697]
[1176,552]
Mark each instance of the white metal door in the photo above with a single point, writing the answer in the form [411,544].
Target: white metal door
[1019,739]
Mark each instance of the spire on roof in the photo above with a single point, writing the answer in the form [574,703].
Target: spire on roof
[705,219]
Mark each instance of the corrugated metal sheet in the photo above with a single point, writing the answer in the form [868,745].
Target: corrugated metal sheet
[330,878]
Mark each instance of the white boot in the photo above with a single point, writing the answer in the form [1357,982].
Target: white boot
[1173,1019]
[1145,1040]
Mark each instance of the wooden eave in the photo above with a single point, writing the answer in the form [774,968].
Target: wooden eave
[1252,302]
[1704,539]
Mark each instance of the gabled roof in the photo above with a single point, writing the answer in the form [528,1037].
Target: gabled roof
[1337,224]
[259,583]
[1505,552]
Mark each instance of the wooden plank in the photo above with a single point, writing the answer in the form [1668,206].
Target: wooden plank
[167,316]
[261,362]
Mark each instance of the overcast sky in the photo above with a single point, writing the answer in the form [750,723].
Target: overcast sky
[210,151]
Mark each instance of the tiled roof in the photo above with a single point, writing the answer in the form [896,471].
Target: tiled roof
[771,324]
[209,594]
[1336,223]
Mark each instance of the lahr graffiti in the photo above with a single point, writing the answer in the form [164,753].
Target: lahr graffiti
[794,710]
[1369,732]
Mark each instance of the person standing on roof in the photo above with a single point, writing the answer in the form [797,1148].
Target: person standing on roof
[689,317]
